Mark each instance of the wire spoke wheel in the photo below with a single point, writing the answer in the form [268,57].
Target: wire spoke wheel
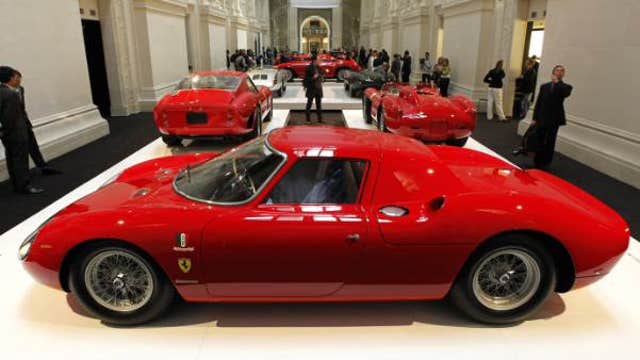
[119,280]
[506,279]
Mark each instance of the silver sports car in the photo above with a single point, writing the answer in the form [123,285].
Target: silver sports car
[274,79]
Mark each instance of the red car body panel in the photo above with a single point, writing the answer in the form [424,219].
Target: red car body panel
[421,113]
[228,112]
[292,253]
[329,66]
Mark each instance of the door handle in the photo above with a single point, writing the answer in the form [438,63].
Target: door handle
[394,211]
[353,238]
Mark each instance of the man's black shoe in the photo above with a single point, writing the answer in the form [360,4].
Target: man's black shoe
[49,171]
[30,190]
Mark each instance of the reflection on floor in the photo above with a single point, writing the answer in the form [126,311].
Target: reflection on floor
[602,320]
[335,98]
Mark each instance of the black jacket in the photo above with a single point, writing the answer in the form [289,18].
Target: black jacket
[549,109]
[527,82]
[406,65]
[494,78]
[313,86]
[13,117]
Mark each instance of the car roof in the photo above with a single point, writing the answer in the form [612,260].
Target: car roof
[331,141]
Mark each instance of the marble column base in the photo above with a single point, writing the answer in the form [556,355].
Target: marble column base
[64,132]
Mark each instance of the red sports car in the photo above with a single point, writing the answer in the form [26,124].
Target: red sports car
[330,66]
[309,214]
[420,113]
[209,104]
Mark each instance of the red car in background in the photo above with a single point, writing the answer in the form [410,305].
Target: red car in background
[211,104]
[420,113]
[331,67]
[313,214]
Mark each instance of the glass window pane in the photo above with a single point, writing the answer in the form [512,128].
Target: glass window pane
[320,181]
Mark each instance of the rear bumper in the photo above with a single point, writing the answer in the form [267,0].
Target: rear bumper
[425,134]
[189,132]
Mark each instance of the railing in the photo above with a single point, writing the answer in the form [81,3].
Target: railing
[319,32]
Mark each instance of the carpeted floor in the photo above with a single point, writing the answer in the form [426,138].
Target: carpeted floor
[128,134]
[329,118]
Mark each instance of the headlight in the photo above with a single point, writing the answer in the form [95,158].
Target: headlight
[111,180]
[25,247]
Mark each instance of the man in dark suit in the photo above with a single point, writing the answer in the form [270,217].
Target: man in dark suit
[313,86]
[15,131]
[34,148]
[549,115]
[406,67]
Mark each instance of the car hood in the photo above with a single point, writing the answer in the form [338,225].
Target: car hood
[197,98]
[435,106]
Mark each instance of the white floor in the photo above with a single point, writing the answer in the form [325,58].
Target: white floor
[600,321]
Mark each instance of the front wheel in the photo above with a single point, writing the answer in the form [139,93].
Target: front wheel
[506,281]
[457,142]
[382,125]
[171,140]
[120,286]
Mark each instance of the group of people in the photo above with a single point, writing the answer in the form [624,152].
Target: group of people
[525,87]
[16,132]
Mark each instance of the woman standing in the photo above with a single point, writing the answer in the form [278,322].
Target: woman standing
[445,77]
[494,79]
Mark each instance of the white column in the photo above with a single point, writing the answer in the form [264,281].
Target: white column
[293,28]
[336,27]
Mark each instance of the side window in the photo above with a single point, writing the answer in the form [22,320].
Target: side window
[251,85]
[320,181]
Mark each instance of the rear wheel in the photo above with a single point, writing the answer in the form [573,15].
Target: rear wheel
[291,74]
[457,142]
[257,126]
[120,286]
[171,140]
[505,281]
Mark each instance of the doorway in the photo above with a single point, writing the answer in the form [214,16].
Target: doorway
[97,68]
[534,41]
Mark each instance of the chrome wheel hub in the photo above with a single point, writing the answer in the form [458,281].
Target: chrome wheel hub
[119,280]
[506,279]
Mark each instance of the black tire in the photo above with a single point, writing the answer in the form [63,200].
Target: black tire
[346,86]
[279,92]
[171,140]
[162,295]
[257,126]
[366,110]
[284,87]
[291,74]
[465,296]
[382,126]
[457,142]
[352,92]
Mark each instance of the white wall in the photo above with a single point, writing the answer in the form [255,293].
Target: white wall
[218,46]
[461,46]
[44,41]
[242,39]
[387,41]
[168,48]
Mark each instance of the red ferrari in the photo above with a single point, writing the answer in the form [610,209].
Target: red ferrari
[210,104]
[330,66]
[420,113]
[325,214]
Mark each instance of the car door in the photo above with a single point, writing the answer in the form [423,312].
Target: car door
[303,240]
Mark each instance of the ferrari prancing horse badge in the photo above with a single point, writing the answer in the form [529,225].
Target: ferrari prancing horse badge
[184,264]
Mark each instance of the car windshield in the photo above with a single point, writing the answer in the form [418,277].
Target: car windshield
[233,177]
[229,83]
